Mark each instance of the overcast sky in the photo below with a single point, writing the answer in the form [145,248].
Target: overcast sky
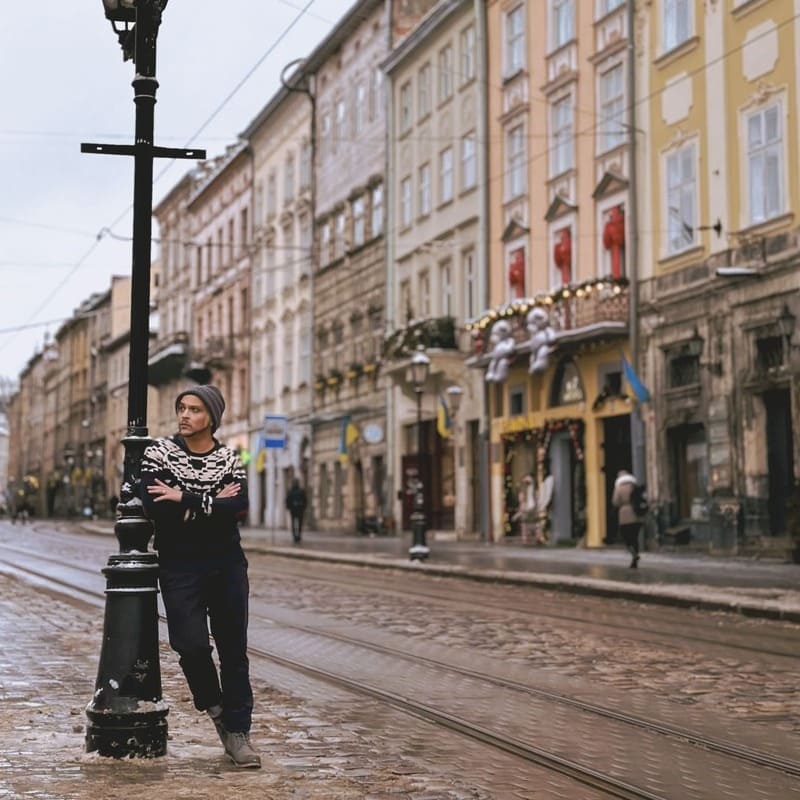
[65,83]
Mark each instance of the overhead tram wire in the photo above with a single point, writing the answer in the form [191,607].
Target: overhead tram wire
[55,291]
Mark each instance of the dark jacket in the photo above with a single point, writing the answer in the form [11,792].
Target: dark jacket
[296,500]
[200,526]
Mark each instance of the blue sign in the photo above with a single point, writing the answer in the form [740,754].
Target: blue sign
[273,434]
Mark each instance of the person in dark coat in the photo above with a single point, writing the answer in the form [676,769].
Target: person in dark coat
[629,523]
[296,505]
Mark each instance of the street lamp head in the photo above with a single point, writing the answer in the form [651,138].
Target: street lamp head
[454,395]
[120,10]
[786,323]
[420,366]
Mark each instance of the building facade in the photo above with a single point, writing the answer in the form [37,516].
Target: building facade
[349,425]
[434,265]
[720,243]
[280,142]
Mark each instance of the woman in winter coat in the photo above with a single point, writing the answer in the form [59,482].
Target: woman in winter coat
[629,523]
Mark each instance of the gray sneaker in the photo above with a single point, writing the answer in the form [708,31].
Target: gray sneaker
[241,752]
[215,712]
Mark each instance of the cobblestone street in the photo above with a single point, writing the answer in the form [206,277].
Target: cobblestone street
[49,663]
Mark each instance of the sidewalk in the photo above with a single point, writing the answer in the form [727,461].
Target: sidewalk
[764,588]
[767,588]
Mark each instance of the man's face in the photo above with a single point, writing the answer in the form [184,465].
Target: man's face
[193,417]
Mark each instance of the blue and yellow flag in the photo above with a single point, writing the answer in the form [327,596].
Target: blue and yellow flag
[347,435]
[444,425]
[639,390]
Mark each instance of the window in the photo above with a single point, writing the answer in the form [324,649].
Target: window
[425,294]
[359,222]
[607,6]
[288,352]
[406,312]
[258,203]
[405,107]
[425,190]
[269,368]
[305,164]
[446,288]
[377,211]
[468,61]
[341,123]
[675,23]
[339,244]
[764,156]
[376,102]
[469,171]
[515,40]
[446,175]
[445,73]
[325,244]
[470,284]
[405,202]
[272,194]
[612,108]
[516,400]
[288,180]
[304,362]
[515,162]
[684,370]
[270,269]
[325,132]
[424,91]
[563,22]
[561,137]
[681,199]
[360,103]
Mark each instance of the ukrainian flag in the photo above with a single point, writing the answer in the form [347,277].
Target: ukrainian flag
[348,435]
[444,425]
[640,391]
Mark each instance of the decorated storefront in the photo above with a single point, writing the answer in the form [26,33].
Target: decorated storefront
[559,412]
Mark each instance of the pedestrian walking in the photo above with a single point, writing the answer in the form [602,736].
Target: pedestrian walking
[296,504]
[195,491]
[630,523]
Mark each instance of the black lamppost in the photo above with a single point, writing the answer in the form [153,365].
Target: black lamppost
[419,551]
[127,715]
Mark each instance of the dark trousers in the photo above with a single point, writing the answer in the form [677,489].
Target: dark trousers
[630,535]
[297,524]
[216,592]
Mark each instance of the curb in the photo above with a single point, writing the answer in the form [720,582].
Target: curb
[711,599]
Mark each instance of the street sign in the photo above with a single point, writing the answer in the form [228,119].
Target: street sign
[273,435]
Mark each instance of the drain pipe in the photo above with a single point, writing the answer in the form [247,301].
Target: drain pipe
[639,464]
[484,460]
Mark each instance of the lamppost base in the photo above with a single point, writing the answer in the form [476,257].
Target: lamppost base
[418,552]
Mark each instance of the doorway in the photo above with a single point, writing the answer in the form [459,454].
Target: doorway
[617,456]
[780,460]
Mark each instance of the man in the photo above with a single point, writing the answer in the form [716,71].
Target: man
[195,491]
[296,504]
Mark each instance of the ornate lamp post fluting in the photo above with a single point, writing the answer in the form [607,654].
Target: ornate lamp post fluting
[127,715]
[419,551]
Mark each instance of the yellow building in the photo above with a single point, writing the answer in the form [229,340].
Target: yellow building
[551,342]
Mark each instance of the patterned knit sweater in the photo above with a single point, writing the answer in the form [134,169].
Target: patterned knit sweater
[200,526]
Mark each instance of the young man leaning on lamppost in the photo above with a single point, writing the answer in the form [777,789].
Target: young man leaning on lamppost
[195,491]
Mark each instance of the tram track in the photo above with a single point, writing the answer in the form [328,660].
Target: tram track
[608,784]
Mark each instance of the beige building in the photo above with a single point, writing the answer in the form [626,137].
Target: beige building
[349,423]
[720,248]
[550,342]
[435,273]
[219,212]
[279,139]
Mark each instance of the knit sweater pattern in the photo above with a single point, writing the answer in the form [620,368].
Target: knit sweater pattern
[201,526]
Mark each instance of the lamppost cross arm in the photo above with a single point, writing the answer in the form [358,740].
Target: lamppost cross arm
[130,150]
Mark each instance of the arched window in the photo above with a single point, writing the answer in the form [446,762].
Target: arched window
[567,386]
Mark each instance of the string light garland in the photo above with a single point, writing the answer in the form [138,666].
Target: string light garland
[521,306]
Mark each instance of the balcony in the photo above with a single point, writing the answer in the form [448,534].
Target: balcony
[168,359]
[438,333]
[578,314]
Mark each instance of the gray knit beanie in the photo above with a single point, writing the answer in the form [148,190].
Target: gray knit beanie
[212,400]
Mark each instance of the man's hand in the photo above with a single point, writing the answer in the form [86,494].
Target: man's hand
[228,490]
[160,491]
